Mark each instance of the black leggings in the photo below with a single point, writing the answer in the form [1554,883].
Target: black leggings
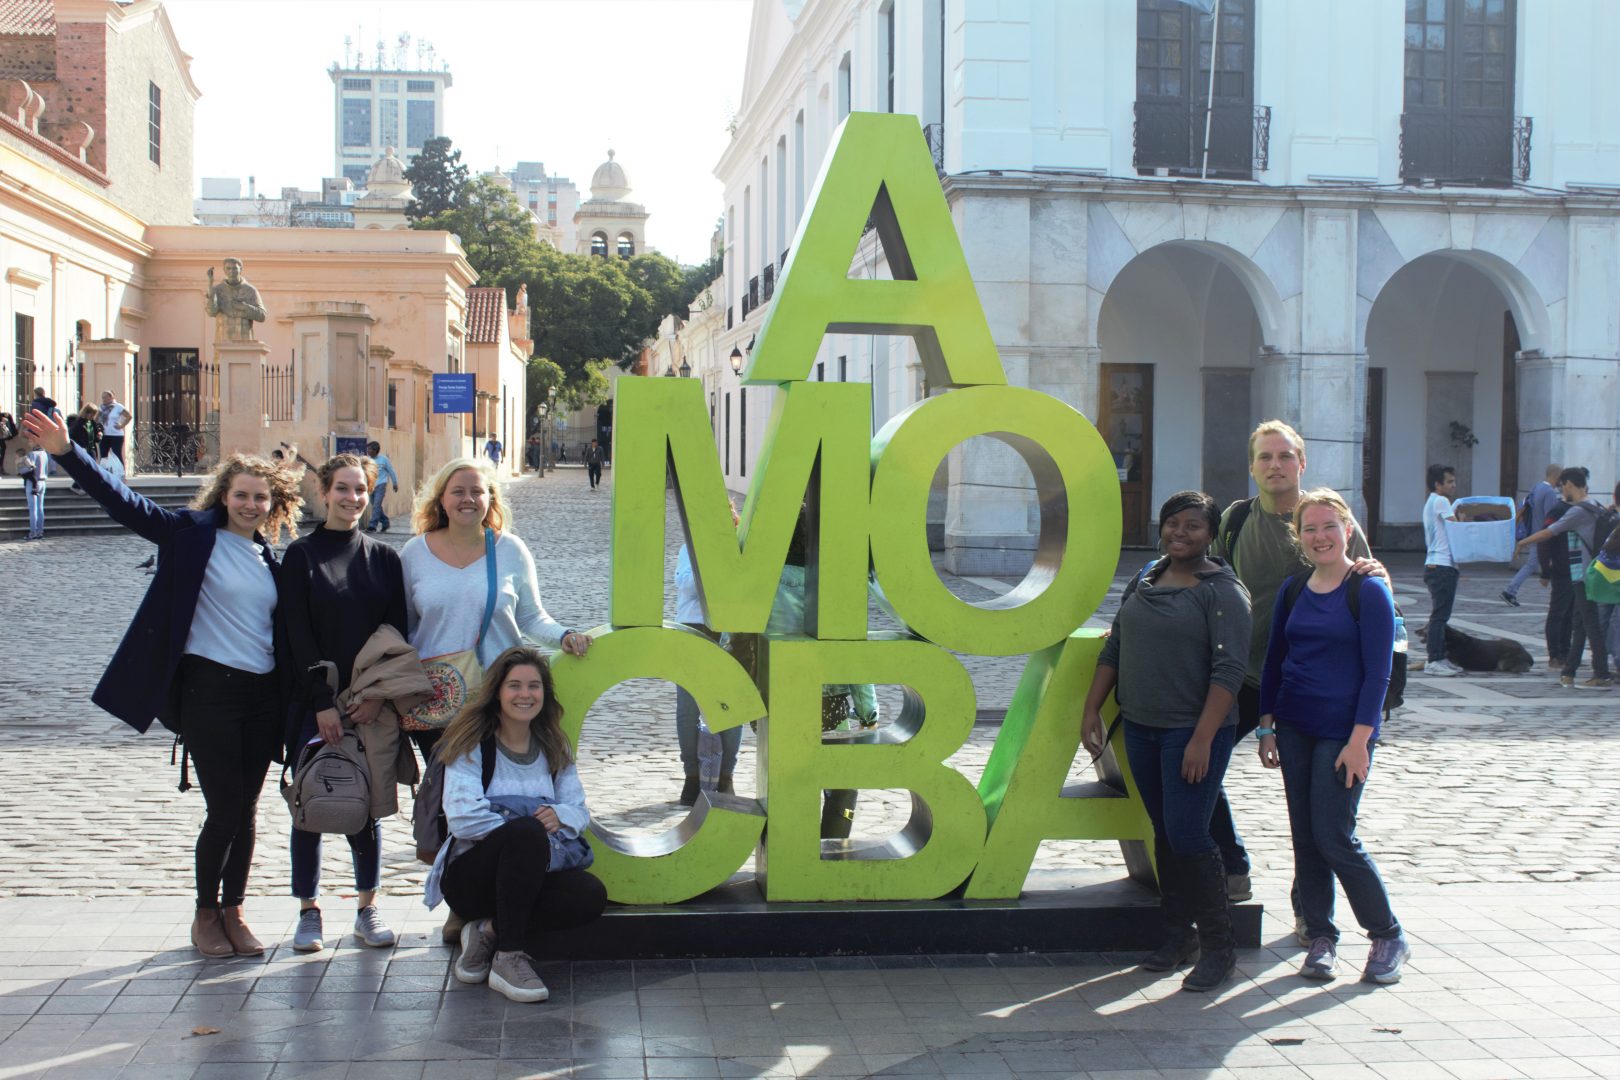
[504,875]
[228,720]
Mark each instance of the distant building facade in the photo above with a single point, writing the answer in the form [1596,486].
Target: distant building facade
[1407,243]
[376,106]
[608,223]
[552,199]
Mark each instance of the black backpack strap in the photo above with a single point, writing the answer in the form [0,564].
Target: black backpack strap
[1237,515]
[487,753]
[185,762]
[1353,597]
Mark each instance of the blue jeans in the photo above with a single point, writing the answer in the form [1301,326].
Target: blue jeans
[1531,564]
[686,735]
[378,516]
[1179,811]
[1322,820]
[1442,583]
[1609,622]
[36,509]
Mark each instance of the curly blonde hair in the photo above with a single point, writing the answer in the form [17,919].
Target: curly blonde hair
[428,514]
[285,501]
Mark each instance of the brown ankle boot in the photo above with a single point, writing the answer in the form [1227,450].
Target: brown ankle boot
[241,939]
[724,787]
[209,935]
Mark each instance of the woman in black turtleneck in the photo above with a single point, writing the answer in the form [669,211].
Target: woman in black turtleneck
[337,587]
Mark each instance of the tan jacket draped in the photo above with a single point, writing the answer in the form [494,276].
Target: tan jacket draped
[389,670]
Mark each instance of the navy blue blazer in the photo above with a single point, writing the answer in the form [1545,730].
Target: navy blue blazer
[138,685]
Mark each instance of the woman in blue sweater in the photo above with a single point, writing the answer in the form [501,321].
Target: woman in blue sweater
[1321,699]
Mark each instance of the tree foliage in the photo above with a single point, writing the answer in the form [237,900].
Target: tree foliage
[437,177]
[496,232]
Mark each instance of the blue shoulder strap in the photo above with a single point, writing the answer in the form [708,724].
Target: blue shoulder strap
[489,599]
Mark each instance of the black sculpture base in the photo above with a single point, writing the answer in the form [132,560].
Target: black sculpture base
[1067,911]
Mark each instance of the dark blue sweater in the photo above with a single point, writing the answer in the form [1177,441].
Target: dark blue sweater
[1325,674]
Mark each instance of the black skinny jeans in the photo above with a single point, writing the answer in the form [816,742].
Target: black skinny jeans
[229,723]
[504,875]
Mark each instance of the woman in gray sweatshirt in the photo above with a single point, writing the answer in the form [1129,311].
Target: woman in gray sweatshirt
[1176,658]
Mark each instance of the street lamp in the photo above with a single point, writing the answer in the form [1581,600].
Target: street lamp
[736,360]
[686,370]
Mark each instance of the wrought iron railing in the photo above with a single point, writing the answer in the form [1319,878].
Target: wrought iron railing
[729,317]
[176,413]
[1169,135]
[767,283]
[1485,151]
[279,393]
[934,135]
[753,295]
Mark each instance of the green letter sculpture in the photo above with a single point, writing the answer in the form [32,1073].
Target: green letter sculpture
[863,494]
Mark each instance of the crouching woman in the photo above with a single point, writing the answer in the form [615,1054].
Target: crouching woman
[496,867]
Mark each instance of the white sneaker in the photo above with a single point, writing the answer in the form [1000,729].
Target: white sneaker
[1441,669]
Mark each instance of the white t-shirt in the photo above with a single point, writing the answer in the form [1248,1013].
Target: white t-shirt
[446,603]
[112,416]
[232,624]
[1438,552]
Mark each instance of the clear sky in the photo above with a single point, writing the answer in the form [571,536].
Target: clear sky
[557,81]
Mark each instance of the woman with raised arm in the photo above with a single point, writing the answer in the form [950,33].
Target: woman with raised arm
[338,587]
[1321,702]
[201,653]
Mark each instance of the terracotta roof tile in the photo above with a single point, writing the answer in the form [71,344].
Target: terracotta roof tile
[28,17]
[485,310]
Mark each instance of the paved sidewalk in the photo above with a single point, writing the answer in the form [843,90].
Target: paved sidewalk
[1494,817]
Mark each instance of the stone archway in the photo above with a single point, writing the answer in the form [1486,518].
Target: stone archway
[1179,331]
[1444,337]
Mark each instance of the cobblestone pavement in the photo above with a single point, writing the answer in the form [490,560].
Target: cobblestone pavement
[1494,819]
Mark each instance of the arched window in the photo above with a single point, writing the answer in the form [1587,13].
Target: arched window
[627,245]
[599,244]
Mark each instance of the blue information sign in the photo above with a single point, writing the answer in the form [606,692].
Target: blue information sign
[454,393]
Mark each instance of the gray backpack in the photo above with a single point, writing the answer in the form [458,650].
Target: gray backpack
[331,791]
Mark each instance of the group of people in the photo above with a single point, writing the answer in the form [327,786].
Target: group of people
[1569,530]
[99,431]
[1271,618]
[251,658]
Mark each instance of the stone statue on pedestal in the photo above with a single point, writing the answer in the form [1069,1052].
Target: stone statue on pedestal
[234,303]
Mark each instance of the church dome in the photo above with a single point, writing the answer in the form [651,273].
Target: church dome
[387,179]
[610,182]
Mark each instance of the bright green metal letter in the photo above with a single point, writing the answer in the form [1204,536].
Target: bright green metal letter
[1023,783]
[816,440]
[879,167]
[1078,488]
[714,841]
[937,849]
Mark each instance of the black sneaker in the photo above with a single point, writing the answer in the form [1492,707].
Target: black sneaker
[1510,598]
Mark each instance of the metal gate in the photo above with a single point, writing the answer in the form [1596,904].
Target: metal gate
[177,412]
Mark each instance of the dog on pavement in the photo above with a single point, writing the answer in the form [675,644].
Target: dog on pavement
[1483,654]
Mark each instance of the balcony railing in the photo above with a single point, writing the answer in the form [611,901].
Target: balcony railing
[1169,135]
[934,134]
[753,295]
[767,283]
[729,312]
[1483,151]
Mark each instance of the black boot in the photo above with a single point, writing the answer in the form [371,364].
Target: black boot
[837,814]
[1206,891]
[690,789]
[1180,939]
[725,786]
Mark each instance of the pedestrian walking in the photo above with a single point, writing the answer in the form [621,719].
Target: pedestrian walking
[1321,701]
[1580,526]
[200,655]
[531,453]
[1532,516]
[464,550]
[493,450]
[514,803]
[1440,574]
[595,455]
[1175,661]
[1605,592]
[34,467]
[385,476]
[114,419]
[337,588]
[1257,540]
[8,431]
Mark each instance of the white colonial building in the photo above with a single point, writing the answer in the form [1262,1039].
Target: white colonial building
[608,223]
[1405,238]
